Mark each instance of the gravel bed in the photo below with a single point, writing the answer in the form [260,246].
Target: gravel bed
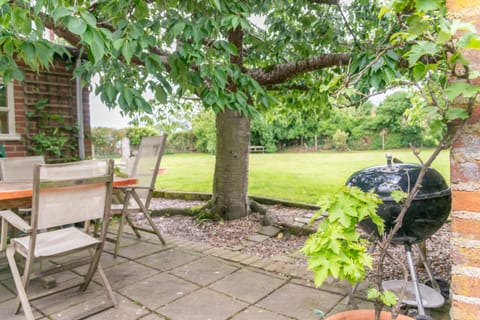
[234,235]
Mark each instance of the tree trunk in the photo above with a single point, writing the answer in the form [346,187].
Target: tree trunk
[230,181]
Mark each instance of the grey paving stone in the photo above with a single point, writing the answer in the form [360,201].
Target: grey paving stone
[7,311]
[5,294]
[257,237]
[158,290]
[247,285]
[168,259]
[254,313]
[204,271]
[202,304]
[107,261]
[55,304]
[127,273]
[152,316]
[299,302]
[36,286]
[4,268]
[138,250]
[124,310]
[343,306]
[269,231]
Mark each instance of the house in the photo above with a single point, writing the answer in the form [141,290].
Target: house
[48,113]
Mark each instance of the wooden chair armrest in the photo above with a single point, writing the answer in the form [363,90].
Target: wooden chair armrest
[13,219]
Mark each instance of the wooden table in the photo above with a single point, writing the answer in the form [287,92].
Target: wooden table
[19,193]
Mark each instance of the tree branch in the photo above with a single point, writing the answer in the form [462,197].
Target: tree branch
[282,72]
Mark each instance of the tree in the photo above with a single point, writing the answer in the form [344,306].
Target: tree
[304,53]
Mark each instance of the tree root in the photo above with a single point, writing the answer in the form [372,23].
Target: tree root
[256,207]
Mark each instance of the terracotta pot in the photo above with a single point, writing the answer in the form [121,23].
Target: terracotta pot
[363,314]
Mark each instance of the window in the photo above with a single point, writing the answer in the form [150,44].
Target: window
[7,112]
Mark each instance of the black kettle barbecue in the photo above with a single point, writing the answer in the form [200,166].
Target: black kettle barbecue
[427,213]
[429,209]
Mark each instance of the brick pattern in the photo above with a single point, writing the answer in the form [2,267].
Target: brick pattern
[25,95]
[465,182]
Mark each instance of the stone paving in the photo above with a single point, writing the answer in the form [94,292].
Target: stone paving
[186,281]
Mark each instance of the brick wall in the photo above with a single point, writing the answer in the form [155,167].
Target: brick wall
[465,181]
[58,85]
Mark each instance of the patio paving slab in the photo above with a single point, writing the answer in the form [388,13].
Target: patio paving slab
[202,304]
[7,310]
[153,317]
[255,313]
[158,290]
[5,293]
[176,282]
[124,310]
[57,303]
[204,271]
[137,250]
[127,273]
[247,285]
[168,259]
[299,302]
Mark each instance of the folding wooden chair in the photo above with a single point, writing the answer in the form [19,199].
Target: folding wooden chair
[136,198]
[63,194]
[17,169]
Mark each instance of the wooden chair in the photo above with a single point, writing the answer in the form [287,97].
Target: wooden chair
[136,198]
[63,194]
[19,168]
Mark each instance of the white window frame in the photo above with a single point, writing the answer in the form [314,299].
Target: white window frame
[12,134]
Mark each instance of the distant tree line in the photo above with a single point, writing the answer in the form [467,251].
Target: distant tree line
[366,127]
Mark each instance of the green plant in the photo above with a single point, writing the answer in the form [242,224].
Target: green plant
[136,134]
[339,140]
[49,134]
[337,249]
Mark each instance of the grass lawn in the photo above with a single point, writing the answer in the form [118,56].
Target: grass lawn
[301,177]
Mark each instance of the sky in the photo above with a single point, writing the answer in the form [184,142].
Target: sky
[101,116]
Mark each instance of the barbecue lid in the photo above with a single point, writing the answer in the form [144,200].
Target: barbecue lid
[399,176]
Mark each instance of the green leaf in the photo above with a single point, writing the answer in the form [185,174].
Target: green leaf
[87,36]
[127,51]
[419,71]
[60,12]
[117,44]
[176,29]
[89,18]
[160,94]
[373,294]
[473,42]
[443,37]
[216,4]
[28,50]
[420,49]
[76,25]
[389,298]
[427,5]
[398,195]
[457,113]
[97,47]
[456,89]
[38,6]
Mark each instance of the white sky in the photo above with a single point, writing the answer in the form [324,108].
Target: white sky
[101,116]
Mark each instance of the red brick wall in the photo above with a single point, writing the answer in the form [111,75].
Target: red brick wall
[15,148]
[465,181]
